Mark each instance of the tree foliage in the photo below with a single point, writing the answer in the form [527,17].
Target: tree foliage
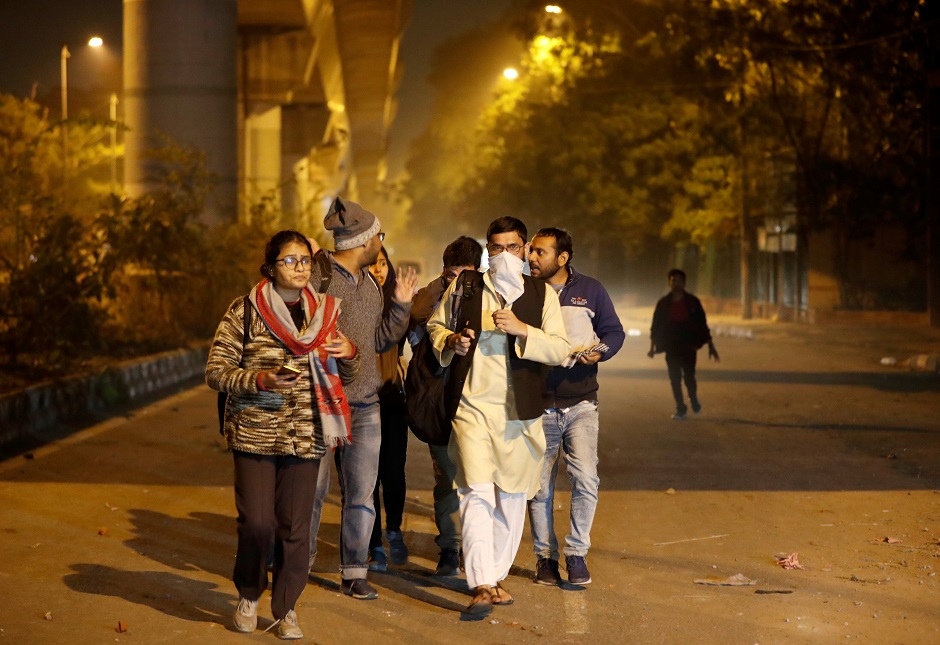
[643,126]
[82,272]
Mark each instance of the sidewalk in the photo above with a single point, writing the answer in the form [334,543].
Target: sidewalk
[915,348]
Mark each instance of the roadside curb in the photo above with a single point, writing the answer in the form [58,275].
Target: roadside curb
[41,407]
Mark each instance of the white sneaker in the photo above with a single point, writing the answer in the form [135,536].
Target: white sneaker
[287,628]
[246,615]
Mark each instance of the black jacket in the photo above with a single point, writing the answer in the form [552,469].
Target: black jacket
[687,335]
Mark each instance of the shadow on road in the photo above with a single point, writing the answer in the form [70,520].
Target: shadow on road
[174,595]
[198,542]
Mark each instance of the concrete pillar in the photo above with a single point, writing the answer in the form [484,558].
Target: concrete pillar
[262,154]
[180,80]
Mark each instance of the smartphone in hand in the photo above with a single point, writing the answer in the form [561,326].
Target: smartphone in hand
[289,370]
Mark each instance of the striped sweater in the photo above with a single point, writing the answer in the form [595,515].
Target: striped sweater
[274,422]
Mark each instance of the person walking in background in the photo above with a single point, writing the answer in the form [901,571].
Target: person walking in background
[390,485]
[285,408]
[358,239]
[510,328]
[463,254]
[571,423]
[680,329]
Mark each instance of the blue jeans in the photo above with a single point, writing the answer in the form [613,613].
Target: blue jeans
[357,467]
[575,431]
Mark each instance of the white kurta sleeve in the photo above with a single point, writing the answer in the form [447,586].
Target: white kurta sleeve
[437,326]
[548,345]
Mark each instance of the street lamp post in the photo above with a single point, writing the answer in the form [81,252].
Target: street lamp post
[65,112]
[113,115]
[64,56]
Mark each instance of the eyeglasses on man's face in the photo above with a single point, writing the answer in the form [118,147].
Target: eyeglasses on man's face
[293,263]
[496,249]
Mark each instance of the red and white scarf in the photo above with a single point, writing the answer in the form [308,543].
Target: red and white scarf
[321,313]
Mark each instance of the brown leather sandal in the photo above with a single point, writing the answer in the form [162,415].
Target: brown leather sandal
[482,603]
[502,597]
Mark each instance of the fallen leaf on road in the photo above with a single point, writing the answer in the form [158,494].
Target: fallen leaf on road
[48,615]
[111,508]
[737,580]
[103,531]
[670,491]
[121,627]
[766,591]
[891,540]
[792,561]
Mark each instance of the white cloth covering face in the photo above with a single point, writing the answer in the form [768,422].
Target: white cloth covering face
[506,273]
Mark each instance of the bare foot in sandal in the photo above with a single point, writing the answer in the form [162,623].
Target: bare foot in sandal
[502,597]
[482,603]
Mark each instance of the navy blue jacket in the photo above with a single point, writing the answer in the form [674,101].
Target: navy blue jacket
[585,306]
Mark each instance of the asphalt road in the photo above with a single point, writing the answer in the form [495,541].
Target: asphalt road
[806,445]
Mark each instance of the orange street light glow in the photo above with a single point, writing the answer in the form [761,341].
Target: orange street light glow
[511,73]
[552,8]
[95,42]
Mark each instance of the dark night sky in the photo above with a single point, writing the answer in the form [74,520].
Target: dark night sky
[32,33]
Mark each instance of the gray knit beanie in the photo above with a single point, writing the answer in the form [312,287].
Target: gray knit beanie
[352,225]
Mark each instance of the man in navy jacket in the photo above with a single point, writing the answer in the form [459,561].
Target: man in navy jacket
[570,420]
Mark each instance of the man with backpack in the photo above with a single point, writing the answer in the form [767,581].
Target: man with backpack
[358,239]
[497,342]
[463,254]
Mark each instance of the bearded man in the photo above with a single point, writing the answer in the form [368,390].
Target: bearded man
[571,422]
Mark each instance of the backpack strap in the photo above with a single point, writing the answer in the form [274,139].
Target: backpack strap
[246,329]
[326,270]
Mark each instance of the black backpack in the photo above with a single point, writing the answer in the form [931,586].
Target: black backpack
[426,408]
[326,274]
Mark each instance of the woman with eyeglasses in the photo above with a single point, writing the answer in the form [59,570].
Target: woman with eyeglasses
[286,407]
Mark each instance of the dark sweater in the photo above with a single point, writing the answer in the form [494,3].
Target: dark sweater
[679,336]
[362,321]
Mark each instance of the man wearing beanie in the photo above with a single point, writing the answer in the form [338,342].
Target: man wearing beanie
[357,239]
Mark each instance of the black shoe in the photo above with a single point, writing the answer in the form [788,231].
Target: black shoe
[578,573]
[359,588]
[546,572]
[397,551]
[696,406]
[377,560]
[448,564]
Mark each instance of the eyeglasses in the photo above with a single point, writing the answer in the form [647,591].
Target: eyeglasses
[381,236]
[496,249]
[291,262]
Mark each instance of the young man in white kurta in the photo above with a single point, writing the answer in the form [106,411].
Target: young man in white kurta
[498,455]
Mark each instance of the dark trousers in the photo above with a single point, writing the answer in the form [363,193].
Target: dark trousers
[391,477]
[274,498]
[681,366]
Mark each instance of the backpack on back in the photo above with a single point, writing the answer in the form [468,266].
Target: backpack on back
[426,407]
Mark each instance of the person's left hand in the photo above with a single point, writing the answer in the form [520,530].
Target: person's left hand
[506,321]
[590,358]
[405,285]
[339,346]
[713,353]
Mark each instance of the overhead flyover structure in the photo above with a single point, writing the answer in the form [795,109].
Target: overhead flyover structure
[291,100]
